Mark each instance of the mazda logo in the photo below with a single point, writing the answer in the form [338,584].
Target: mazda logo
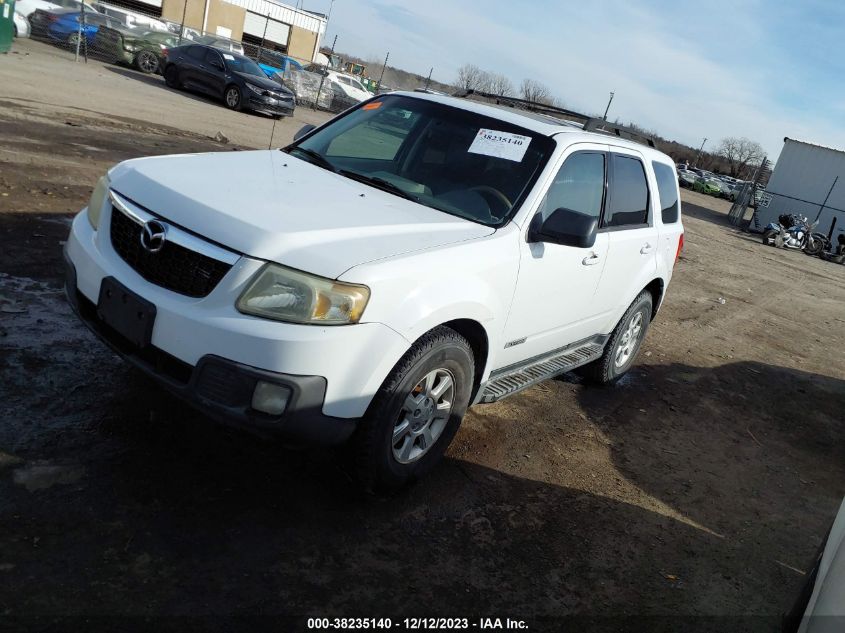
[152,236]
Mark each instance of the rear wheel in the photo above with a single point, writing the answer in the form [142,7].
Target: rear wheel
[171,77]
[73,39]
[147,62]
[416,413]
[771,237]
[624,343]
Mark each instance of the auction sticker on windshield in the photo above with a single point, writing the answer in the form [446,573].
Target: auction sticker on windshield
[500,144]
[229,57]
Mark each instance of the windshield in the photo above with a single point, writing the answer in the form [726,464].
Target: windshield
[239,64]
[459,162]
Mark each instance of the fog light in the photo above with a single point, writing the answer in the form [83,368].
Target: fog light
[270,398]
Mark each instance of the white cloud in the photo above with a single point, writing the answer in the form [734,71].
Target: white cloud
[685,78]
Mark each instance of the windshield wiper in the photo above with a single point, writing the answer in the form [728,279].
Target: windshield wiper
[379,183]
[315,157]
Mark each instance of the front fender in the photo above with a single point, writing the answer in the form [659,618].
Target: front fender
[472,280]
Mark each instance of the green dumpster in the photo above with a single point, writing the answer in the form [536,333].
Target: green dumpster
[7,24]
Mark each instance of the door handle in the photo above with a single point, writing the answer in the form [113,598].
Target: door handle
[591,260]
[645,250]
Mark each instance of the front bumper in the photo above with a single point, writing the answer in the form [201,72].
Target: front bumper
[188,332]
[270,105]
[222,388]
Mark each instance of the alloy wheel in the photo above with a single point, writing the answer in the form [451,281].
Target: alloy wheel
[424,415]
[629,340]
[232,97]
[147,62]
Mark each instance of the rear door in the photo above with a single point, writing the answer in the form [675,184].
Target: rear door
[212,73]
[629,225]
[190,67]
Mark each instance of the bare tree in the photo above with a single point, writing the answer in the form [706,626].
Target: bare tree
[470,77]
[535,92]
[740,153]
[500,85]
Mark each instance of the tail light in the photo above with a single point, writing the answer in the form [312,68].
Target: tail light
[163,52]
[680,247]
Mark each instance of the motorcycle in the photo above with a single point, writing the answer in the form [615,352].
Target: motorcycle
[795,231]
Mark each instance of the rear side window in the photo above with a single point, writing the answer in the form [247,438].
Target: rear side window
[667,189]
[628,200]
[197,52]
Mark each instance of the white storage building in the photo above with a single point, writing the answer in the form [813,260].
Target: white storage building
[808,179]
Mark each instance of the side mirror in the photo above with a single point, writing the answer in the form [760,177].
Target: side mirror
[303,131]
[565,227]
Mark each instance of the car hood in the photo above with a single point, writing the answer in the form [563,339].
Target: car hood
[273,206]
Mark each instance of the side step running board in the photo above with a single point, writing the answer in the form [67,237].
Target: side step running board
[510,380]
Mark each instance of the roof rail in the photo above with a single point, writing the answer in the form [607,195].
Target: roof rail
[523,104]
[585,121]
[603,127]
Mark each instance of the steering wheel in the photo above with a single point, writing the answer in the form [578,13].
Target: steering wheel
[494,198]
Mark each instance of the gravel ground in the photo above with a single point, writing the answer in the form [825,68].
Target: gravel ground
[699,486]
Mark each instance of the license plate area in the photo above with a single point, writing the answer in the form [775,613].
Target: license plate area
[125,312]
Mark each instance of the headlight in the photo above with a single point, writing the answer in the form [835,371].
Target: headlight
[98,199]
[255,89]
[130,47]
[289,295]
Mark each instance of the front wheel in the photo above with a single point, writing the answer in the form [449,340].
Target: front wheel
[813,247]
[232,98]
[624,343]
[416,413]
[147,62]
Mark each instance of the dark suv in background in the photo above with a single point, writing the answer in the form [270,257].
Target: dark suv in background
[235,79]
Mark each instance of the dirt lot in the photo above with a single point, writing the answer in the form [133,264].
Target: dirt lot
[700,486]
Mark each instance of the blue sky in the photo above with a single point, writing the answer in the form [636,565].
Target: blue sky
[761,69]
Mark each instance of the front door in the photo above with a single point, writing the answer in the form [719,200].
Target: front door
[553,303]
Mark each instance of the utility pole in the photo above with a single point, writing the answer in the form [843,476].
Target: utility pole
[695,162]
[608,106]
[182,26]
[428,81]
[378,85]
[323,76]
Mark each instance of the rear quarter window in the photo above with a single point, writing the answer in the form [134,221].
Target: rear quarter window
[667,190]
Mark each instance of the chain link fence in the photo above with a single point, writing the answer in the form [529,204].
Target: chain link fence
[140,39]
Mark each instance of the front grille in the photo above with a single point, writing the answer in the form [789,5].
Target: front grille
[173,267]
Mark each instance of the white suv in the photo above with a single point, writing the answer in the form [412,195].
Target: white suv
[411,257]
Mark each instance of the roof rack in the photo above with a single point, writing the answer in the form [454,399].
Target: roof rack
[603,127]
[584,121]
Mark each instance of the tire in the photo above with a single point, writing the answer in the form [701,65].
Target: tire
[147,62]
[232,98]
[816,248]
[171,77]
[771,237]
[72,39]
[389,449]
[628,333]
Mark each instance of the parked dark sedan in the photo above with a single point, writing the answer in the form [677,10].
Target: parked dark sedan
[235,79]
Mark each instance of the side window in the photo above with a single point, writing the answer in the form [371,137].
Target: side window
[577,186]
[196,52]
[213,57]
[667,189]
[627,203]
